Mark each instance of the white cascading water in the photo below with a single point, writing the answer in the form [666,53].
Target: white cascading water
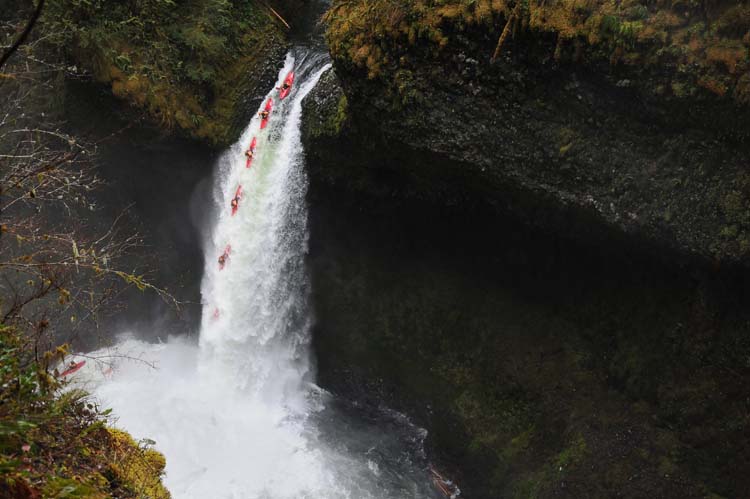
[255,326]
[237,415]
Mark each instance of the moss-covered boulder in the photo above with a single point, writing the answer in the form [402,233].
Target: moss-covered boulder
[138,469]
[199,67]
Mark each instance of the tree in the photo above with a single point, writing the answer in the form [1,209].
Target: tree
[59,272]
[24,34]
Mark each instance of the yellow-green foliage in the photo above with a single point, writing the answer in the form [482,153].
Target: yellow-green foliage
[138,469]
[712,45]
[179,60]
[359,31]
[131,471]
[336,120]
[54,444]
[90,487]
[572,454]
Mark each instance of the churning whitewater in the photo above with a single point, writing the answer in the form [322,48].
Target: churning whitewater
[238,415]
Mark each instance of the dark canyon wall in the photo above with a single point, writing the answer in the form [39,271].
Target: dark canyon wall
[542,257]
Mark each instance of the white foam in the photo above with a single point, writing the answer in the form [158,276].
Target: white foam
[217,443]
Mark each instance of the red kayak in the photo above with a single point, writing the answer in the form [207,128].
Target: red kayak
[287,86]
[74,366]
[224,257]
[250,153]
[268,109]
[236,200]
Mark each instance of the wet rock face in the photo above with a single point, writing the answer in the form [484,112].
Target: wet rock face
[563,149]
[563,362]
[539,366]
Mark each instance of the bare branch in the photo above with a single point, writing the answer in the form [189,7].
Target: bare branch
[24,34]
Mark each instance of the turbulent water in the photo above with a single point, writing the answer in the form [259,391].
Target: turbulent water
[237,414]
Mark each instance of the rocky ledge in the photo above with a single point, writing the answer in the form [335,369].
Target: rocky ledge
[578,144]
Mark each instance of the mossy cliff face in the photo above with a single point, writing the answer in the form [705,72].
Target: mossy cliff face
[672,48]
[542,259]
[571,127]
[540,367]
[199,67]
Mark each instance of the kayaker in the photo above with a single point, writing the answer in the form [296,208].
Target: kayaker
[222,260]
[264,114]
[285,86]
[249,153]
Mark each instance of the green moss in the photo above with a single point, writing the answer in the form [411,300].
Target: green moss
[63,488]
[708,48]
[185,66]
[55,444]
[493,420]
[573,454]
[341,115]
[518,444]
[681,89]
[137,469]
[566,140]
[331,115]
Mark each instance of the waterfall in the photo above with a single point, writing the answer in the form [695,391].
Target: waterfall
[255,330]
[237,415]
